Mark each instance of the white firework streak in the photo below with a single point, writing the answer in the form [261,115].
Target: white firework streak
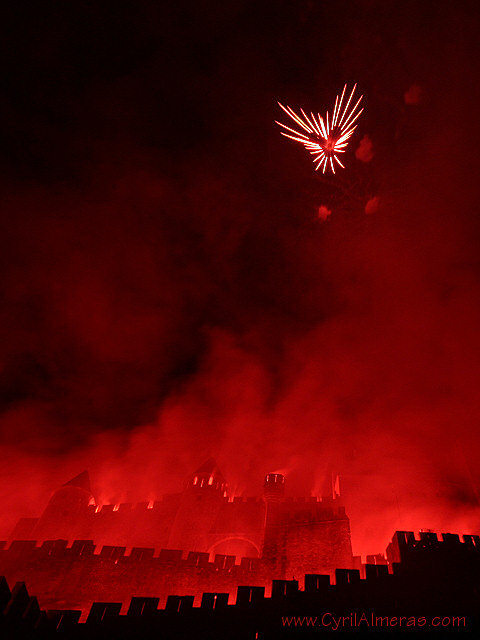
[324,138]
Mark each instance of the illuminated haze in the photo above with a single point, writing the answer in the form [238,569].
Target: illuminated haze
[169,291]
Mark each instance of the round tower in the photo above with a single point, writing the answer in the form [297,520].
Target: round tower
[65,510]
[274,487]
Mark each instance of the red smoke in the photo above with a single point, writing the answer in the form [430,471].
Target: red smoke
[170,303]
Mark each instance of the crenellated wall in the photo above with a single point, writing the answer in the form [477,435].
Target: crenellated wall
[274,537]
[407,549]
[435,584]
[75,576]
[158,524]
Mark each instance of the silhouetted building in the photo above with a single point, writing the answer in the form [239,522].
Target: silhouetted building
[423,586]
[194,541]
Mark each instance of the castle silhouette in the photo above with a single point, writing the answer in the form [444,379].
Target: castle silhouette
[166,569]
[195,541]
[424,586]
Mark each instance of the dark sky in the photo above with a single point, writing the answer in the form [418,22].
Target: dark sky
[168,290]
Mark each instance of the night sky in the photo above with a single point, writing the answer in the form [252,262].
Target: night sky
[171,287]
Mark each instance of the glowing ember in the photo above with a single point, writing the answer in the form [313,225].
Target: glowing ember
[326,138]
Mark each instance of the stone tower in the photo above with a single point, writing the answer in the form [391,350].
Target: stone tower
[304,535]
[65,511]
[200,503]
[273,541]
[274,487]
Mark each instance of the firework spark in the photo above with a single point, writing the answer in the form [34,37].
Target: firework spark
[324,138]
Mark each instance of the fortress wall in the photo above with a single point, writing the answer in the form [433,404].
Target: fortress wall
[149,524]
[434,584]
[74,577]
[317,546]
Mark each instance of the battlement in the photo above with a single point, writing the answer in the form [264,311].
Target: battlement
[129,507]
[194,542]
[256,610]
[80,573]
[59,549]
[201,518]
[405,544]
[18,602]
[428,538]
[154,505]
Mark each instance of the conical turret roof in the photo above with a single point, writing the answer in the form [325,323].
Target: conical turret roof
[82,481]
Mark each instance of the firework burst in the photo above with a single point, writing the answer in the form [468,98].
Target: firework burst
[325,138]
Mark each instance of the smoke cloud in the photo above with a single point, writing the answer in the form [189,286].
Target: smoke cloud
[169,292]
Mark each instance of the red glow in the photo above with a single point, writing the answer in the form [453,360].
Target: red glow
[169,292]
